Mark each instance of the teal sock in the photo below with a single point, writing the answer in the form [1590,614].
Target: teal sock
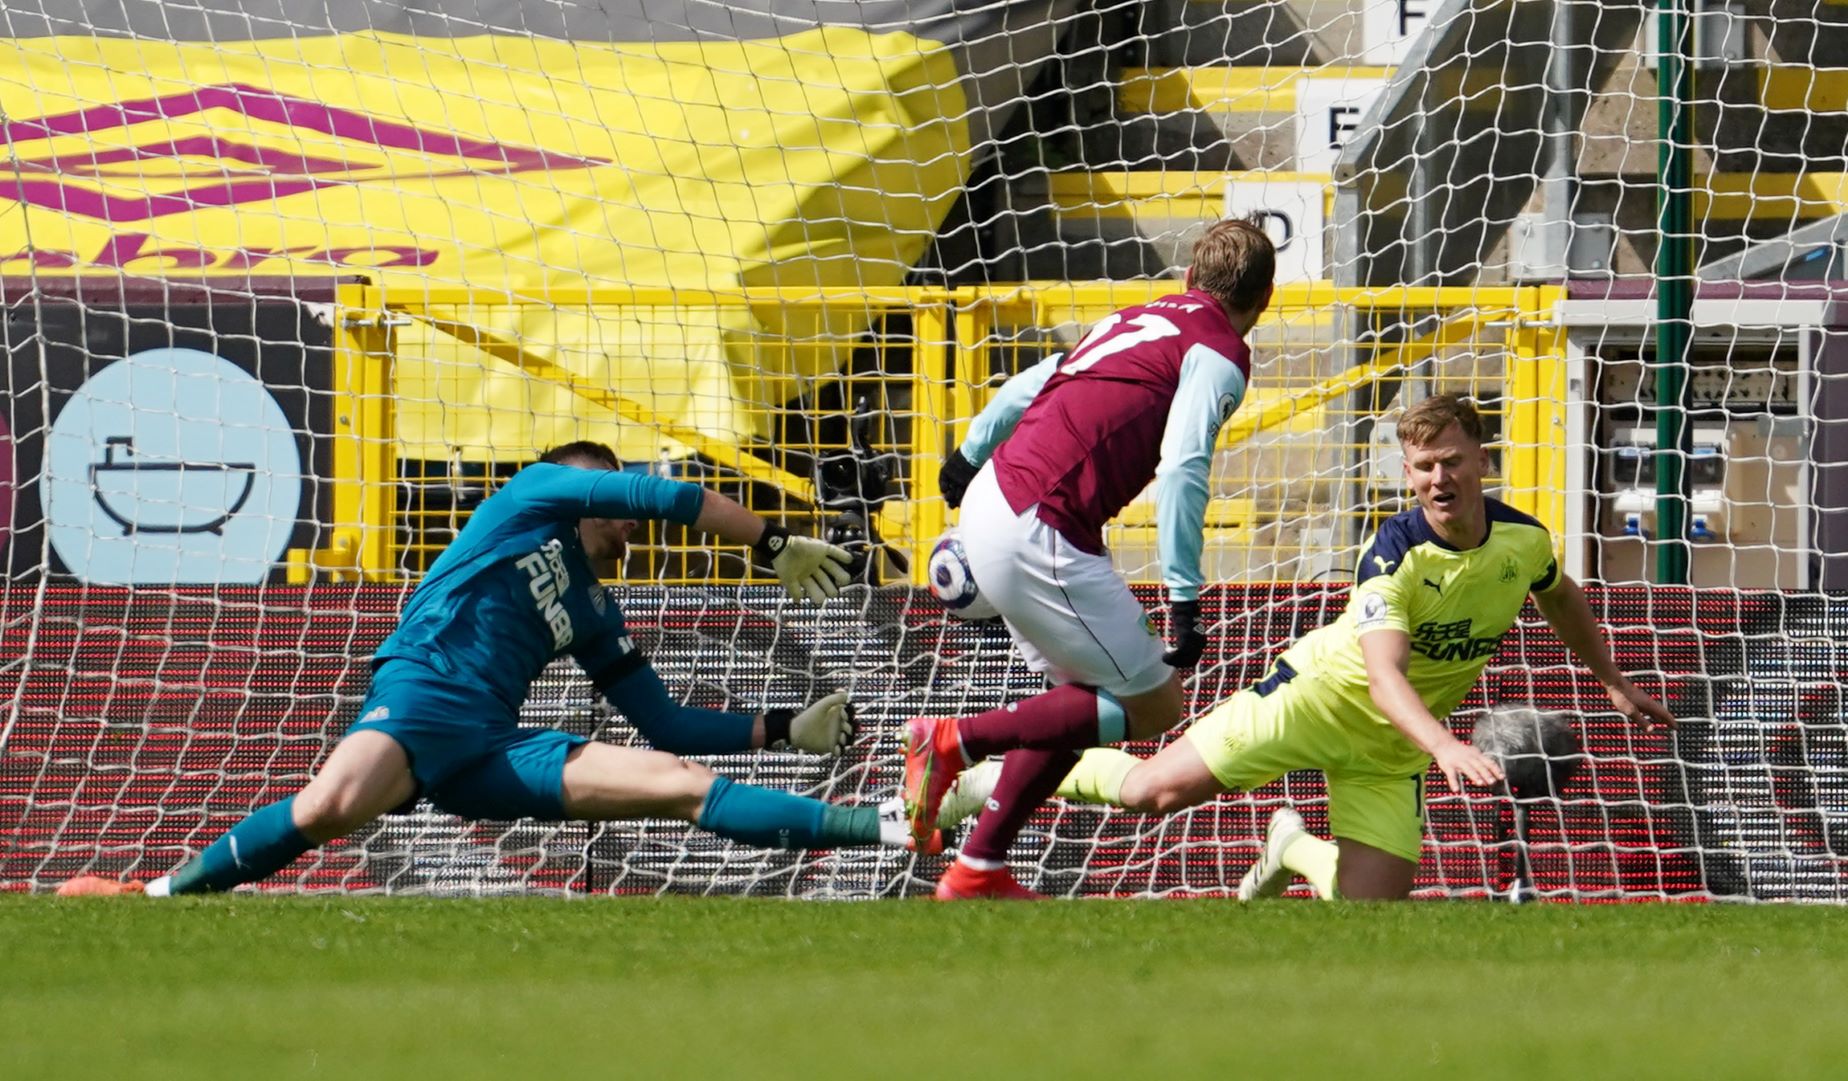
[256,848]
[845,826]
[769,819]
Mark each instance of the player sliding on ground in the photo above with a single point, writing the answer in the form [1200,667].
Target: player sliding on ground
[514,591]
[1062,448]
[1360,699]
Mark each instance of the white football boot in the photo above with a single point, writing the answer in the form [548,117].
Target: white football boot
[968,793]
[1268,877]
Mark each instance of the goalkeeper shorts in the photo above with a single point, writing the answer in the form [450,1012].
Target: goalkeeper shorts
[468,755]
[1375,779]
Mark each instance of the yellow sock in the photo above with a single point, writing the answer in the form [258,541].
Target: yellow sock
[1314,859]
[1098,776]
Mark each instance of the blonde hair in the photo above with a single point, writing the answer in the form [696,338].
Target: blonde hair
[1432,417]
[1235,262]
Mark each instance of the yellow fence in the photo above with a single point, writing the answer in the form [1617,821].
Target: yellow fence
[1304,469]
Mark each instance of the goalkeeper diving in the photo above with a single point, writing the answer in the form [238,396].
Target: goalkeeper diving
[515,590]
[1361,699]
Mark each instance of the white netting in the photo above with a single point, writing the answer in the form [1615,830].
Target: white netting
[291,285]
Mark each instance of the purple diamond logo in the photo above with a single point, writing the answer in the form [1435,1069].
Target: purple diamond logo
[142,171]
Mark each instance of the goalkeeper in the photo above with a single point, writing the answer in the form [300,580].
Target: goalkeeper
[514,591]
[1360,699]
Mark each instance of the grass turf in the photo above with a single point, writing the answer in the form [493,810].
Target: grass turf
[410,988]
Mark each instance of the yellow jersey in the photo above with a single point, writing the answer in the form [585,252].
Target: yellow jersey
[1455,604]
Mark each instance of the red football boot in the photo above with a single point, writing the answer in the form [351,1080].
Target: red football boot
[964,883]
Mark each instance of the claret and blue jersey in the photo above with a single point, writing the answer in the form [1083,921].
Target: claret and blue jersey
[1141,398]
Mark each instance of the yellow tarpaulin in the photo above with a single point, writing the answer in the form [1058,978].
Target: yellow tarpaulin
[516,165]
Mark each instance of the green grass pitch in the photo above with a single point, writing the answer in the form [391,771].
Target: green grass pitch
[406,989]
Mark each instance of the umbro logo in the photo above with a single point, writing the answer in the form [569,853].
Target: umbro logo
[307,146]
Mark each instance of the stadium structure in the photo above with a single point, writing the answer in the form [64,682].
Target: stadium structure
[291,285]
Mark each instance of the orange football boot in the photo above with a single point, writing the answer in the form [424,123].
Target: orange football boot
[98,886]
[933,758]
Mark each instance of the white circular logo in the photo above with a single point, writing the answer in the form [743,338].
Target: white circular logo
[172,466]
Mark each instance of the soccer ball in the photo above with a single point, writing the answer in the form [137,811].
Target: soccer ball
[951,582]
[1538,751]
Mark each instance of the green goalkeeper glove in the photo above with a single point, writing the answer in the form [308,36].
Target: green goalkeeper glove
[807,567]
[825,727]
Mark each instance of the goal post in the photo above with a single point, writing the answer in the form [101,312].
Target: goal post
[289,288]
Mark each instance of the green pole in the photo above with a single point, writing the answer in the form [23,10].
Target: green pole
[1674,286]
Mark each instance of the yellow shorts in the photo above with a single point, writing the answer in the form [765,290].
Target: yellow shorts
[1375,777]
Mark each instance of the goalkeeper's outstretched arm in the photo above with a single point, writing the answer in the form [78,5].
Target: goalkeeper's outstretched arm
[807,567]
[1565,609]
[826,726]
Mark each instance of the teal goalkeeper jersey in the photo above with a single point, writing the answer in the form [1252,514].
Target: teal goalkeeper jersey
[515,589]
[1455,605]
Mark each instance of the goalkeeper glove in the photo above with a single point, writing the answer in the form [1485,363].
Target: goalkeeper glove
[953,479]
[807,567]
[1189,634]
[825,727]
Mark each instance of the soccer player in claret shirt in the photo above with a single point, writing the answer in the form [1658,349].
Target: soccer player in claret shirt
[1062,448]
[1360,699]
[515,590]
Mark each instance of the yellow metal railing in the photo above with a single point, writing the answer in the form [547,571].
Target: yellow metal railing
[364,456]
[563,364]
[1284,504]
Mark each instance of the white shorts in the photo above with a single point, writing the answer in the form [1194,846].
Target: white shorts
[1070,613]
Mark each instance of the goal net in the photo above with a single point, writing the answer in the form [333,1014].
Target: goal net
[291,286]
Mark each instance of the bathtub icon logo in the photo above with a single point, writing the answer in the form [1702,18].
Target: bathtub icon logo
[148,496]
[172,466]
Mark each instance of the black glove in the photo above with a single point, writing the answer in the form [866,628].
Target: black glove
[953,479]
[1187,633]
